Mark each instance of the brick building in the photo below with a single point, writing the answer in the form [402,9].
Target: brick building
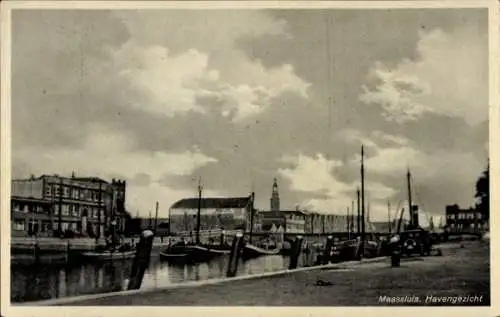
[52,204]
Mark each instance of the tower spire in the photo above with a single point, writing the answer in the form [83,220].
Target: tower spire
[275,196]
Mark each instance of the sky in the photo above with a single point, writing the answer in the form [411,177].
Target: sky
[164,98]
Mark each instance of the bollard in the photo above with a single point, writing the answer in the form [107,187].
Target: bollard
[234,257]
[328,248]
[395,249]
[295,253]
[141,259]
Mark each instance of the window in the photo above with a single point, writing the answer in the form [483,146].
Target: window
[48,190]
[57,190]
[65,210]
[19,225]
[66,191]
[478,215]
[15,207]
[76,193]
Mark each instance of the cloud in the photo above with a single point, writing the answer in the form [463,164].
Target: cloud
[316,175]
[111,154]
[211,74]
[449,78]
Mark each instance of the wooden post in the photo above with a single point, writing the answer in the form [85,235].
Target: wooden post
[222,238]
[141,259]
[234,257]
[328,248]
[68,247]
[36,252]
[295,253]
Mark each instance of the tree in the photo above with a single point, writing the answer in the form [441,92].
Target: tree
[483,193]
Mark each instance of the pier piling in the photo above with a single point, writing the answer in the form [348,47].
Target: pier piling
[326,252]
[297,246]
[141,259]
[234,257]
[68,248]
[36,252]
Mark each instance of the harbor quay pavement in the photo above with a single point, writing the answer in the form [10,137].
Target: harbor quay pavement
[461,276]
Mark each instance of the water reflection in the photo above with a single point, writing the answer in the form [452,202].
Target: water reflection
[29,283]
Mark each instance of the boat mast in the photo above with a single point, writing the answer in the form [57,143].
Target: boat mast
[362,200]
[252,197]
[389,216]
[198,215]
[408,180]
[348,225]
[156,217]
[358,228]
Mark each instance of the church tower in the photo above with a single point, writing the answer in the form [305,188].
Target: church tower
[275,197]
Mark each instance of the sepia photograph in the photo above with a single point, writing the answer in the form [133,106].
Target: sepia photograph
[250,155]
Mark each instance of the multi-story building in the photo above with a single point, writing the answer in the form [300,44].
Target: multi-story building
[55,204]
[464,220]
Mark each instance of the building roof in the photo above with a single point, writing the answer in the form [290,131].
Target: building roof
[232,202]
[89,179]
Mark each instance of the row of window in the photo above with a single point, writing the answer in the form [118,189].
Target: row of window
[20,207]
[76,210]
[472,226]
[465,215]
[54,190]
[43,226]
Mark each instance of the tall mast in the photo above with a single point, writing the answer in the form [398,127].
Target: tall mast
[362,200]
[156,216]
[408,180]
[252,197]
[348,224]
[198,215]
[59,216]
[358,218]
[389,216]
[352,216]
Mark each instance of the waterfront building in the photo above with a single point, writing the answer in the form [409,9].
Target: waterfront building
[53,204]
[291,221]
[231,213]
[30,215]
[465,220]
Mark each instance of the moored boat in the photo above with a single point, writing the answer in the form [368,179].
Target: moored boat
[251,251]
[193,253]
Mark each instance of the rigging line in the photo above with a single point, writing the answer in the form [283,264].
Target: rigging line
[329,76]
[420,200]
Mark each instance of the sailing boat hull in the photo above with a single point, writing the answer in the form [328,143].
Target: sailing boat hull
[192,253]
[251,251]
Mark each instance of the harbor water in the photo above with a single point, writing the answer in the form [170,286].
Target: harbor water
[40,282]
